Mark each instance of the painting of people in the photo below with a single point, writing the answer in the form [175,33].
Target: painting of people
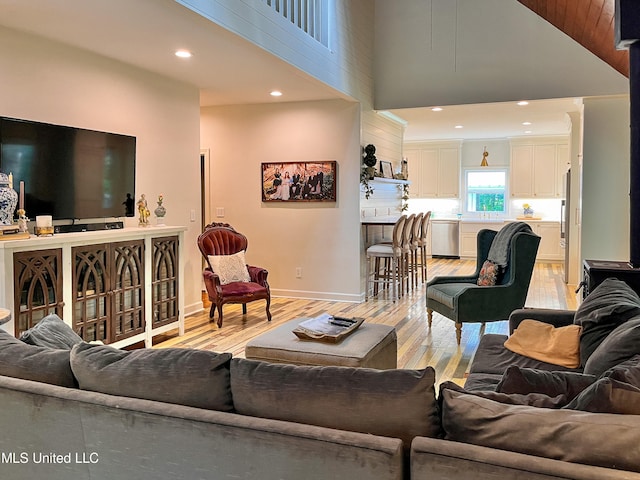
[299,181]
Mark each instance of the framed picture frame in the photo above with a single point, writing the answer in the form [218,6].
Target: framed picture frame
[299,181]
[386,169]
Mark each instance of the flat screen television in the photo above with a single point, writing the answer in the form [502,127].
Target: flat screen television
[69,173]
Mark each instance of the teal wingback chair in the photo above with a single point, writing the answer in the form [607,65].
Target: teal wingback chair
[460,299]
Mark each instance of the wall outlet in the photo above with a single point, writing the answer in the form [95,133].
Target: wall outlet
[298,272]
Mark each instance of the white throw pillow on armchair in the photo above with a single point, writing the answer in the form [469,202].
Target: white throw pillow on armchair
[230,268]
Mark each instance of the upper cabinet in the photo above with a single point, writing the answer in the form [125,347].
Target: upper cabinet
[434,170]
[537,168]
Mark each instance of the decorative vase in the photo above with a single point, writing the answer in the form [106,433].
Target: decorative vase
[160,211]
[8,200]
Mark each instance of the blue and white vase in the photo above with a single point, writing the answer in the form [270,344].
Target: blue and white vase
[8,200]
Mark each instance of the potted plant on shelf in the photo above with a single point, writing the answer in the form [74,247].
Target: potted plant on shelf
[368,169]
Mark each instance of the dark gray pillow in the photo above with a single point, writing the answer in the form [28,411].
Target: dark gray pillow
[608,396]
[532,399]
[610,304]
[40,364]
[627,371]
[620,345]
[530,380]
[392,403]
[196,378]
[51,332]
[602,440]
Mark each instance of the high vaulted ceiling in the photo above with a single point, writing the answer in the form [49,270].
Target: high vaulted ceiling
[591,23]
[230,70]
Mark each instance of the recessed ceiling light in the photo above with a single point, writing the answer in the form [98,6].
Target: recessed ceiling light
[183,54]
[526,123]
[527,131]
[436,109]
[522,103]
[458,126]
[276,93]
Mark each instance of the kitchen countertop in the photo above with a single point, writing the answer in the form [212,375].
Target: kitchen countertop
[505,220]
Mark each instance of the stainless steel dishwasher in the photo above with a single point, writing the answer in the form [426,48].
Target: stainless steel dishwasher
[444,238]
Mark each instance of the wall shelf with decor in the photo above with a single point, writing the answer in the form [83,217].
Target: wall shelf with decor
[389,180]
[122,286]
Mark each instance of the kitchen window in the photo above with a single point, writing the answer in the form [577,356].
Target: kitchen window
[485,190]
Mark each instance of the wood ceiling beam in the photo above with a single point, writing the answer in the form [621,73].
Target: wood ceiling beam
[591,23]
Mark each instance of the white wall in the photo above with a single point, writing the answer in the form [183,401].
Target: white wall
[347,65]
[322,238]
[605,179]
[444,52]
[49,82]
[499,153]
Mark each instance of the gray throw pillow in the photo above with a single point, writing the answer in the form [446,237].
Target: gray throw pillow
[196,378]
[391,403]
[529,380]
[532,399]
[51,332]
[601,440]
[620,345]
[30,362]
[608,396]
[627,371]
[610,304]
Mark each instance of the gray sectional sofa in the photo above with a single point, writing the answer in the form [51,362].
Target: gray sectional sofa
[519,417]
[84,411]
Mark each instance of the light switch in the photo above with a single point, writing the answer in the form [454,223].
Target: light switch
[193,215]
[219,212]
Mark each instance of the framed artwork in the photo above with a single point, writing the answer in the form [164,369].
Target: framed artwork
[386,169]
[299,181]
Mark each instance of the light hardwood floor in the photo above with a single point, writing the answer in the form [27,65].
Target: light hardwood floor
[418,346]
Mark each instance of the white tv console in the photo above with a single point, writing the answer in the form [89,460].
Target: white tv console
[120,286]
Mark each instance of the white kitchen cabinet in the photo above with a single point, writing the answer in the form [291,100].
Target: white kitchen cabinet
[549,233]
[550,248]
[522,171]
[469,236]
[536,170]
[434,170]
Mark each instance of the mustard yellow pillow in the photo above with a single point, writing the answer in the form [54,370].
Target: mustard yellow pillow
[546,343]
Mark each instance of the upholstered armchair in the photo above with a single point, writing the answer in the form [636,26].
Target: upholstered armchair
[227,277]
[462,300]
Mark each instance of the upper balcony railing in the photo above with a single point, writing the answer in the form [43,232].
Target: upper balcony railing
[310,16]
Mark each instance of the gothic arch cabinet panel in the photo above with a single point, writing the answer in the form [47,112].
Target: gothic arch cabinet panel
[118,286]
[165,280]
[37,277]
[108,291]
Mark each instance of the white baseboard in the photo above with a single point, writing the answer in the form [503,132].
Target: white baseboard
[194,308]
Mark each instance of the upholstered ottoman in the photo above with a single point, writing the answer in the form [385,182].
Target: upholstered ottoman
[371,345]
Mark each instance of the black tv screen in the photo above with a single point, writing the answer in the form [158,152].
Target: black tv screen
[69,173]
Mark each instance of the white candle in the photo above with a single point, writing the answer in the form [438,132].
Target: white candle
[21,204]
[44,221]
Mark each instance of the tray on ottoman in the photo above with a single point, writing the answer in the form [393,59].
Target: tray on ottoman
[371,345]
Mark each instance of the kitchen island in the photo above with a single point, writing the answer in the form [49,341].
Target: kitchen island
[550,248]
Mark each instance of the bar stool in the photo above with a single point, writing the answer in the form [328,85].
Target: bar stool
[391,253]
[422,244]
[416,232]
[407,237]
